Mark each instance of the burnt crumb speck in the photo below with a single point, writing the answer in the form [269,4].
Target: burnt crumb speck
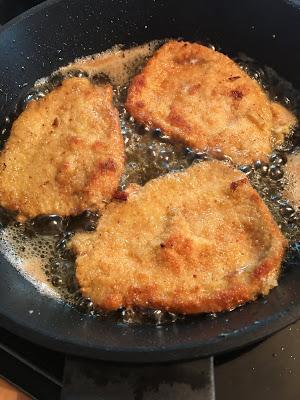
[162,245]
[55,122]
[233,78]
[236,94]
[108,165]
[235,184]
[121,195]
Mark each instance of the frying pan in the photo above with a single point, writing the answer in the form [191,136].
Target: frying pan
[55,33]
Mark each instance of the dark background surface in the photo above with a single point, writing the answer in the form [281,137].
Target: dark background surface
[269,369]
[12,8]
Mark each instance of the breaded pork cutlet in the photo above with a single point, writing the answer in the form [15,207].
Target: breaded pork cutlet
[201,240]
[292,180]
[65,153]
[202,98]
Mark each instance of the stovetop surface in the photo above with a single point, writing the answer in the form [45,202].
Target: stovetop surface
[268,369]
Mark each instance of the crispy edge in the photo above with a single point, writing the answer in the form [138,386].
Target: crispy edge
[283,122]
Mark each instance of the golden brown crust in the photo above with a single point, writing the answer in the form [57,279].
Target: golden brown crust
[185,242]
[283,121]
[201,97]
[65,153]
[292,179]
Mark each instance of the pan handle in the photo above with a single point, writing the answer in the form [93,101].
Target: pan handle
[86,379]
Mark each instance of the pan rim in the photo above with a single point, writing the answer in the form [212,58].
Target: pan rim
[234,340]
[27,13]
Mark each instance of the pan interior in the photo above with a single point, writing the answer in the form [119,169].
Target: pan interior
[38,248]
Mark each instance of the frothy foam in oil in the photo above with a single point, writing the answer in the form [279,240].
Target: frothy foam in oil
[118,64]
[46,260]
[29,255]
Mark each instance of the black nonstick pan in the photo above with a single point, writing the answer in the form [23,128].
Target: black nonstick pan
[55,33]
